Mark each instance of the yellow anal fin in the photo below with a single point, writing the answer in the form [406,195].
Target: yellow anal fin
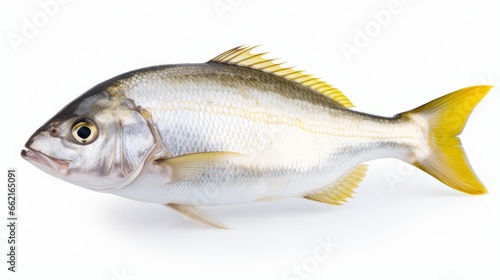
[445,119]
[242,56]
[338,192]
[195,214]
[191,166]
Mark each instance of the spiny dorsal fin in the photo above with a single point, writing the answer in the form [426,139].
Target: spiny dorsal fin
[338,192]
[241,56]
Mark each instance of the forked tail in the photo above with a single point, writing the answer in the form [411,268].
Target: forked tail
[445,119]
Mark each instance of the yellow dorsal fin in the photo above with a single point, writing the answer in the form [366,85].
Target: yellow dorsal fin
[241,56]
[338,192]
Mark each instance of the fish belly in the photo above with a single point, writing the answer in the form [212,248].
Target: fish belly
[289,147]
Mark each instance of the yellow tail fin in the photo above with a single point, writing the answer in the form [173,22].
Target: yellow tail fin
[446,118]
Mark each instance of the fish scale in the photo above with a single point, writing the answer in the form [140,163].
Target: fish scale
[241,128]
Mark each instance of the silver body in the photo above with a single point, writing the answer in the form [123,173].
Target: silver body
[241,128]
[294,140]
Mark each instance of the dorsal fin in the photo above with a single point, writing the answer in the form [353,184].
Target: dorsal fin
[338,192]
[241,56]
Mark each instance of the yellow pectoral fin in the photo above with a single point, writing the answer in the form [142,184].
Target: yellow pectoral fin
[191,166]
[338,192]
[197,215]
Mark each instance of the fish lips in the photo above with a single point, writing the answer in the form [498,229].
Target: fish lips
[50,165]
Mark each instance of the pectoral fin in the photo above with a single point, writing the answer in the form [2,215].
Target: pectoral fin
[195,214]
[191,166]
[338,192]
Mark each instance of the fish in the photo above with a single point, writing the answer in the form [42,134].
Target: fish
[242,128]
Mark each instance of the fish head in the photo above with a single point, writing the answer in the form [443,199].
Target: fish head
[98,141]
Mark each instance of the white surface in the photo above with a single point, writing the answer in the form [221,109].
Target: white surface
[412,228]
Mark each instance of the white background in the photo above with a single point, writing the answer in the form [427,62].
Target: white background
[402,224]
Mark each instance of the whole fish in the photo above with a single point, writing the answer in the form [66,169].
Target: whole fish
[241,128]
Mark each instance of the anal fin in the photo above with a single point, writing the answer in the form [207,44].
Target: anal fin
[196,214]
[338,192]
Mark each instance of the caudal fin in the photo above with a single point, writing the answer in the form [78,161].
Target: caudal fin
[446,117]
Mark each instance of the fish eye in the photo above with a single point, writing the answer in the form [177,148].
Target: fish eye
[84,131]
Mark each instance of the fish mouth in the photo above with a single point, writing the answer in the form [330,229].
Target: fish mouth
[53,166]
